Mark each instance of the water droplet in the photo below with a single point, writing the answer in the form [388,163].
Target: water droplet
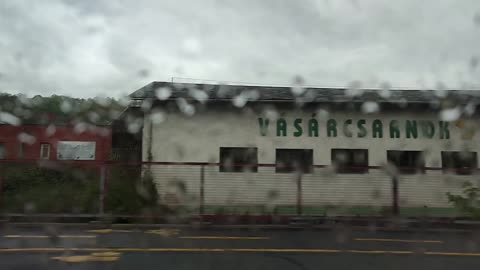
[298,86]
[93,117]
[322,113]
[370,107]
[198,95]
[163,93]
[354,89]
[102,101]
[270,113]
[239,101]
[157,117]
[450,114]
[470,109]
[80,127]
[26,138]
[66,106]
[50,130]
[185,107]
[385,90]
[146,105]
[134,126]
[9,118]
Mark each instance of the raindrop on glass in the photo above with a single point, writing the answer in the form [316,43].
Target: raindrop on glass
[26,138]
[370,107]
[198,95]
[66,106]
[9,118]
[298,86]
[50,130]
[451,114]
[163,93]
[157,117]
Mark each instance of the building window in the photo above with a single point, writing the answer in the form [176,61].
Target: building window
[407,162]
[238,159]
[350,160]
[460,162]
[44,151]
[3,152]
[294,160]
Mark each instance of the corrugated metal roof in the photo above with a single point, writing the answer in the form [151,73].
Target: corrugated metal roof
[309,94]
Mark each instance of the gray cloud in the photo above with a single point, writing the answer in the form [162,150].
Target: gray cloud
[88,48]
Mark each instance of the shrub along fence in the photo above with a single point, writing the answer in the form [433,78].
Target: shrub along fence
[114,188]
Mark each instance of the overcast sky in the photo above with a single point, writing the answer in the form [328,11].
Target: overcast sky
[89,48]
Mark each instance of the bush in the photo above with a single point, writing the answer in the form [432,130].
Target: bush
[32,189]
[468,202]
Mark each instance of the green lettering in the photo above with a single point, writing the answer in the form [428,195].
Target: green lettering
[428,129]
[394,129]
[281,127]
[362,131]
[331,128]
[377,129]
[297,124]
[263,123]
[346,131]
[411,129]
[443,129]
[313,128]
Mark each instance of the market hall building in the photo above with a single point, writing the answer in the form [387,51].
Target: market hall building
[301,150]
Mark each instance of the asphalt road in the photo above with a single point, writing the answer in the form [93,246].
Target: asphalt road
[84,247]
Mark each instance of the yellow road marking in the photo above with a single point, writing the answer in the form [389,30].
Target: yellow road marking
[111,252]
[451,253]
[47,236]
[107,231]
[226,237]
[85,258]
[399,240]
[94,257]
[380,251]
[164,232]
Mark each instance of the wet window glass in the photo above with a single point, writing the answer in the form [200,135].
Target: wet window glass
[459,162]
[350,160]
[238,159]
[294,160]
[407,162]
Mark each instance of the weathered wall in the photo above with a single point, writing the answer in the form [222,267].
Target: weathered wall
[198,139]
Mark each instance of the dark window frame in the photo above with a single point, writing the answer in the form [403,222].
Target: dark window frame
[283,165]
[245,159]
[450,160]
[42,152]
[399,157]
[349,166]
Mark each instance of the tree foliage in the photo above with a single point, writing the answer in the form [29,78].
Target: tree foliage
[469,201]
[60,109]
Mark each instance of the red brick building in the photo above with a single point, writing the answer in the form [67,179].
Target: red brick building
[61,142]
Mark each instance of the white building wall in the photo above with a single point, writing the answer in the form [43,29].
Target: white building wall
[198,139]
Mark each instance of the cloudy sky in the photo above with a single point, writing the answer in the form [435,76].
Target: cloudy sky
[92,47]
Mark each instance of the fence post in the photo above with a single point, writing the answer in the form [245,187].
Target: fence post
[202,189]
[299,194]
[395,207]
[101,208]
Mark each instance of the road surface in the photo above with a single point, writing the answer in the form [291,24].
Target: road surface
[85,247]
